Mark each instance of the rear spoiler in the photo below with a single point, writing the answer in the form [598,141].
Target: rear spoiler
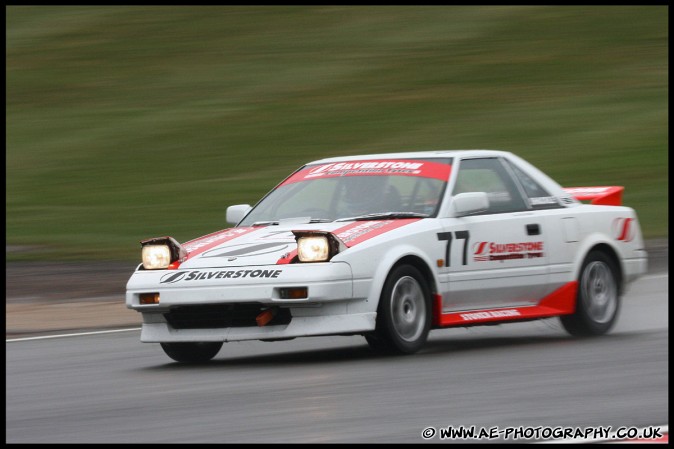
[606,196]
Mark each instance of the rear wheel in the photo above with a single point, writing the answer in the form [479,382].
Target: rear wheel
[192,352]
[404,313]
[597,301]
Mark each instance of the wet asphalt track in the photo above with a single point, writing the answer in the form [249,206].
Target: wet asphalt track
[111,388]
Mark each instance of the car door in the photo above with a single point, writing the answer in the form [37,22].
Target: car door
[496,258]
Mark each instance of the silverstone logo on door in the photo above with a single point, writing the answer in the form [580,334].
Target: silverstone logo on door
[481,251]
[490,251]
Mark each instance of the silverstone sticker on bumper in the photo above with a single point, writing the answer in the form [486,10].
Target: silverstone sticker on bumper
[204,275]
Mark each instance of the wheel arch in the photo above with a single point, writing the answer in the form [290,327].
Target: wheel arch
[403,323]
[406,256]
[609,252]
[423,268]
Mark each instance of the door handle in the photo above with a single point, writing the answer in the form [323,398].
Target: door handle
[533,229]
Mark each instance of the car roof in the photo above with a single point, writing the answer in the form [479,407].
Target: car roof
[548,183]
[415,155]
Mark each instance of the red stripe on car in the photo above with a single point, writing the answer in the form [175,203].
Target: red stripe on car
[287,258]
[360,231]
[560,302]
[626,229]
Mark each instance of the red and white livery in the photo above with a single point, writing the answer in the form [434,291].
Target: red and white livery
[392,246]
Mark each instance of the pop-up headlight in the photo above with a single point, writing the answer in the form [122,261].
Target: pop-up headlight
[313,249]
[156,257]
[317,246]
[160,252]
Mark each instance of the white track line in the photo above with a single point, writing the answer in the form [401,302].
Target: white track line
[45,337]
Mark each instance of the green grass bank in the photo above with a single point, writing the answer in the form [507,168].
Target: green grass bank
[130,122]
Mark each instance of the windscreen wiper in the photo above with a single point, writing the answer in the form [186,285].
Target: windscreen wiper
[291,220]
[385,215]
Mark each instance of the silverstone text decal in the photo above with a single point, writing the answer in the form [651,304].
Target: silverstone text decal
[373,168]
[198,275]
[486,251]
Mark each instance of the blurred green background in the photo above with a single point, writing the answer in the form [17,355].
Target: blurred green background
[131,122]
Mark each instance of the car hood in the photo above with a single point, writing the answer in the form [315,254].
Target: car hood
[274,244]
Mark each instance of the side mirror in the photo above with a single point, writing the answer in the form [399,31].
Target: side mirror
[470,203]
[236,213]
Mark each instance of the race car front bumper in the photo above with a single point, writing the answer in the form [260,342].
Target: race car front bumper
[328,324]
[328,308]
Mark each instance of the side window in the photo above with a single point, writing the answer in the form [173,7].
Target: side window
[538,197]
[417,194]
[490,176]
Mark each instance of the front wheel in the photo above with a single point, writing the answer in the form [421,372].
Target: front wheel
[597,301]
[404,313]
[192,352]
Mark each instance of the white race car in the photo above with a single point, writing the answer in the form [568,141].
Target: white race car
[390,246]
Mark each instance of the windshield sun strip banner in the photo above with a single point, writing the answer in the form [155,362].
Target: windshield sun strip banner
[379,167]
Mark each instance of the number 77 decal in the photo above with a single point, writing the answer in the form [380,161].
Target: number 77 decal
[460,235]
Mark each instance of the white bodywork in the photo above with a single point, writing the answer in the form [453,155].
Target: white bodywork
[472,263]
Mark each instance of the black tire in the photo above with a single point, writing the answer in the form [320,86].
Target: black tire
[403,314]
[192,352]
[598,297]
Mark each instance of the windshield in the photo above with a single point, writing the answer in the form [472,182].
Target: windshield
[334,191]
